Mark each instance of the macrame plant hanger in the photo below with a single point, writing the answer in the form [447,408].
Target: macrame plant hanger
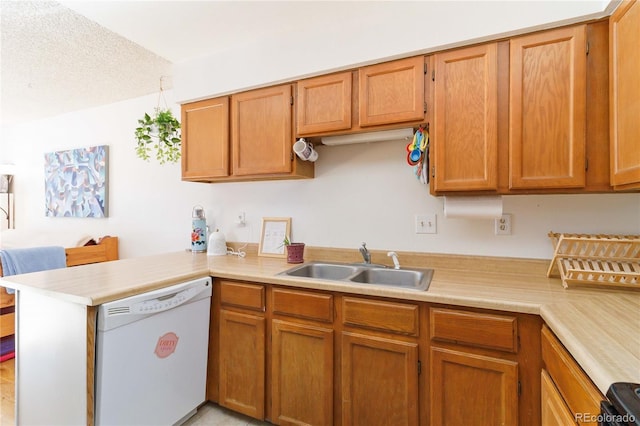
[161,96]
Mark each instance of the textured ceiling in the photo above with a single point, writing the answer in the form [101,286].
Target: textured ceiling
[54,60]
[64,56]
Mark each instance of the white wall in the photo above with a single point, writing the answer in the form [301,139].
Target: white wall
[361,193]
[381,30]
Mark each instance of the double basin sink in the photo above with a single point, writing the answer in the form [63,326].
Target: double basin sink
[364,273]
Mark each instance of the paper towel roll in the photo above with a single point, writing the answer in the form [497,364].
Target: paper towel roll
[474,207]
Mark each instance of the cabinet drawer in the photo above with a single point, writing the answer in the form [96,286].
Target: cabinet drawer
[303,304]
[244,295]
[574,385]
[7,324]
[475,329]
[401,318]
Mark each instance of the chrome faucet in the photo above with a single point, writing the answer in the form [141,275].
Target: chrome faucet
[365,253]
[393,255]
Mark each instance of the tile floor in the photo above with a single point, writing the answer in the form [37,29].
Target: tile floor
[214,415]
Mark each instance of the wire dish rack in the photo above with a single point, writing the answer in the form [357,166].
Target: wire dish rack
[598,260]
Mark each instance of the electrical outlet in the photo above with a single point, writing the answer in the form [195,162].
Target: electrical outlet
[426,224]
[503,225]
[241,220]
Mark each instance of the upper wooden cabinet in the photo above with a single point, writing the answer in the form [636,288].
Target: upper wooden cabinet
[547,109]
[512,117]
[261,138]
[624,63]
[465,119]
[384,96]
[249,137]
[392,92]
[205,134]
[324,104]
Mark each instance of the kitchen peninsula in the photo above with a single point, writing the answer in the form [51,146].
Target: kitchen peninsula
[598,328]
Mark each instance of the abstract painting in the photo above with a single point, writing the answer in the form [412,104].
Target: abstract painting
[75,182]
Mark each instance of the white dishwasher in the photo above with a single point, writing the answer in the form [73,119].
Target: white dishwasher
[151,356]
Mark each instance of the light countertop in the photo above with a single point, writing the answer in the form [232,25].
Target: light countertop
[599,327]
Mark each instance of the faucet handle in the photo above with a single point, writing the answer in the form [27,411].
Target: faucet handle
[393,255]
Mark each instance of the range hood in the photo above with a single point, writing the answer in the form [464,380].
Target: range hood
[405,134]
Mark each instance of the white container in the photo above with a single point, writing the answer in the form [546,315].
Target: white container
[304,150]
[217,244]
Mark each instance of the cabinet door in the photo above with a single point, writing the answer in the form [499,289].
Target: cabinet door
[302,374]
[465,122]
[324,104]
[392,92]
[547,99]
[379,381]
[205,139]
[469,389]
[242,360]
[624,39]
[554,410]
[261,131]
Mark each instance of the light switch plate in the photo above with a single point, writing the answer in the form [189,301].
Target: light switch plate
[426,224]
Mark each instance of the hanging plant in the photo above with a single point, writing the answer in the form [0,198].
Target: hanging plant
[160,133]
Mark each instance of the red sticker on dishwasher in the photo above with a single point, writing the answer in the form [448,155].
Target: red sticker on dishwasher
[167,344]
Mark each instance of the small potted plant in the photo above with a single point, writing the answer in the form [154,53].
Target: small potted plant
[161,133]
[295,251]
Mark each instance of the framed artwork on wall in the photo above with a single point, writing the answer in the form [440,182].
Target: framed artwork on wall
[272,235]
[75,182]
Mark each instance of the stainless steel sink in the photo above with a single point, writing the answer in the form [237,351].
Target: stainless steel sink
[405,278]
[324,271]
[409,278]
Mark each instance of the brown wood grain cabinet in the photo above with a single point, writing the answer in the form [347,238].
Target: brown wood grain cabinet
[554,411]
[302,357]
[261,131]
[205,135]
[302,374]
[298,356]
[380,365]
[392,92]
[324,104]
[523,115]
[379,380]
[624,40]
[547,101]
[242,328]
[577,392]
[248,136]
[465,119]
[472,389]
[484,367]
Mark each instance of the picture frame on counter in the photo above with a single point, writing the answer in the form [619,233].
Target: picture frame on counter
[273,232]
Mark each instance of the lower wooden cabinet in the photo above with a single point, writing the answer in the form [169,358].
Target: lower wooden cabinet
[472,389]
[484,367]
[242,363]
[554,411]
[302,374]
[306,357]
[573,388]
[379,381]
